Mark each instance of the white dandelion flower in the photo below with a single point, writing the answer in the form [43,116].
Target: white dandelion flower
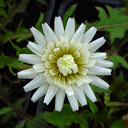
[65,63]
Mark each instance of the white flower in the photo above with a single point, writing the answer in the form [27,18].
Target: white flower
[65,64]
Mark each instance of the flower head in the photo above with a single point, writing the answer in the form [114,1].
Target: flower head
[64,63]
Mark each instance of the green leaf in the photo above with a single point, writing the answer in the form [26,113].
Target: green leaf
[62,119]
[38,122]
[117,60]
[6,117]
[3,13]
[84,123]
[14,63]
[2,3]
[15,8]
[40,20]
[20,50]
[5,110]
[97,89]
[93,107]
[112,110]
[106,97]
[20,30]
[20,124]
[68,13]
[110,103]
[83,119]
[118,124]
[118,83]
[42,2]
[123,92]
[18,104]
[4,60]
[20,34]
[118,30]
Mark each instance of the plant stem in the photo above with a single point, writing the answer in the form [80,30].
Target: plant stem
[22,115]
[110,26]
[12,14]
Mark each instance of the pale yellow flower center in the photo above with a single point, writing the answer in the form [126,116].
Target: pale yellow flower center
[66,65]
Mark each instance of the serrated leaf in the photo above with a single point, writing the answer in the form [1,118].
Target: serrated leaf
[38,121]
[21,30]
[118,30]
[20,50]
[68,13]
[20,124]
[117,60]
[84,123]
[13,9]
[22,6]
[20,34]
[83,119]
[2,3]
[18,104]
[93,107]
[3,13]
[4,60]
[62,119]
[5,110]
[118,124]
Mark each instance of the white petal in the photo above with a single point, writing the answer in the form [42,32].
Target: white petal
[64,38]
[96,70]
[68,89]
[87,37]
[90,63]
[35,83]
[84,47]
[52,90]
[40,92]
[99,82]
[35,48]
[88,91]
[85,79]
[96,44]
[79,95]
[59,100]
[104,63]
[74,68]
[79,81]
[79,33]
[30,59]
[49,34]
[73,102]
[98,56]
[70,28]
[40,67]
[59,29]
[27,74]
[40,39]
